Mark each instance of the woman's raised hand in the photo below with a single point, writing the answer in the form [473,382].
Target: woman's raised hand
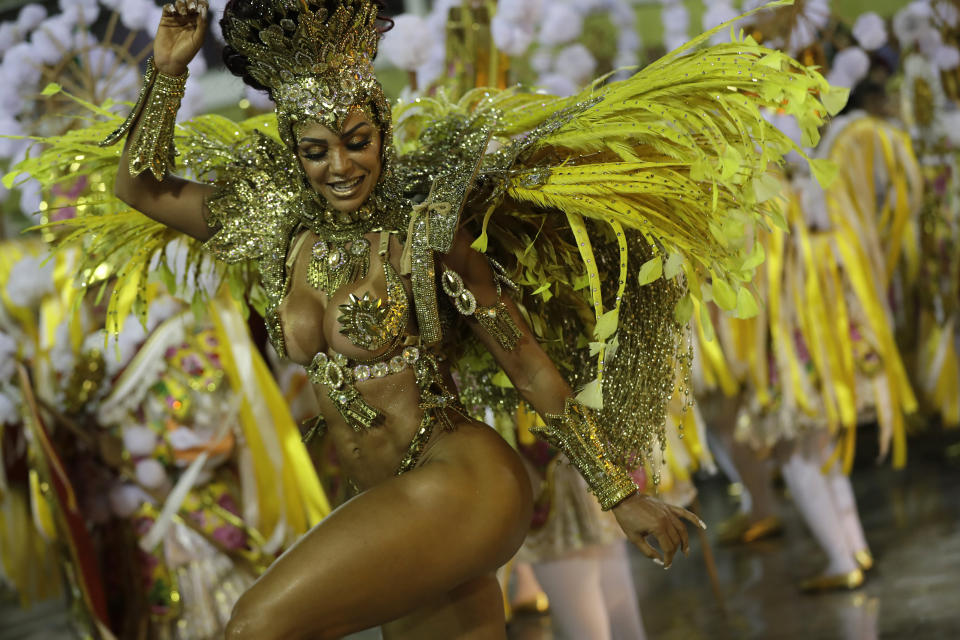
[180,35]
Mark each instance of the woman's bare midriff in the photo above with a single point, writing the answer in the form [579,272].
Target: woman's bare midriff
[371,456]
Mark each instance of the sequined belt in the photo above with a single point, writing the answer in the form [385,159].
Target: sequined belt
[335,372]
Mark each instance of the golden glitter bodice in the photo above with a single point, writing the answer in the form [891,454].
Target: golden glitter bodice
[313,321]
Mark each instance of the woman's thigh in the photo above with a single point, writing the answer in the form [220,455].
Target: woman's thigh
[402,544]
[472,611]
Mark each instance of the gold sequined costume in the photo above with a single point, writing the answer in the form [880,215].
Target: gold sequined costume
[612,212]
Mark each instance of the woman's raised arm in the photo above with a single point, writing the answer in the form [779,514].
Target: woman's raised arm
[149,187]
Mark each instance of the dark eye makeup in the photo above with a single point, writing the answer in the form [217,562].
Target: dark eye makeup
[354,145]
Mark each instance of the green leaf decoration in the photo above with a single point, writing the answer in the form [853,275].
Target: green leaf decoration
[502,380]
[684,310]
[825,171]
[756,257]
[775,214]
[10,178]
[592,395]
[746,304]
[481,243]
[724,295]
[651,270]
[766,188]
[835,99]
[773,60]
[607,325]
[674,266]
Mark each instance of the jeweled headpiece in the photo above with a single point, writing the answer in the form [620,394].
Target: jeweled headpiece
[318,65]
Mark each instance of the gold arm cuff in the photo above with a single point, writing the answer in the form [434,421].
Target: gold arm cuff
[151,142]
[577,435]
[124,128]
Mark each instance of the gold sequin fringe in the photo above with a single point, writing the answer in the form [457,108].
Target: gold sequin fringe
[151,142]
[124,128]
[496,321]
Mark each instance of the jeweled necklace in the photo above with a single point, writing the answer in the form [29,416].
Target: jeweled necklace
[342,254]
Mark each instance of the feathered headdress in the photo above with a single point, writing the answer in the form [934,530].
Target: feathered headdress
[317,65]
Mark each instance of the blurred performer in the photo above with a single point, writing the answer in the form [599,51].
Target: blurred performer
[576,551]
[834,361]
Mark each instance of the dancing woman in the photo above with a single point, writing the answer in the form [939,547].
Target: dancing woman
[369,254]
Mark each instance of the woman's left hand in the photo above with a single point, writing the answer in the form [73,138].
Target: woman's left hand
[641,516]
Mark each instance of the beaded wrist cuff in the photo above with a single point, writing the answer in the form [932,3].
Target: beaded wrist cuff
[576,434]
[151,144]
[124,128]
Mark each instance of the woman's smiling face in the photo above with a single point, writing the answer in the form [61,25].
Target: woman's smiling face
[342,167]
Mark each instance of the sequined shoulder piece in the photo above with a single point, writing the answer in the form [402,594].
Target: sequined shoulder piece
[257,208]
[446,162]
[256,205]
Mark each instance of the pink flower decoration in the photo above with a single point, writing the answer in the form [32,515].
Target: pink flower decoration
[230,537]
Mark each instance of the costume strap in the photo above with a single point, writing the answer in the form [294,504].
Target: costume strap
[151,144]
[578,435]
[418,261]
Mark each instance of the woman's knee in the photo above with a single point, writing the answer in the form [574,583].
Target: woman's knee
[254,617]
[246,623]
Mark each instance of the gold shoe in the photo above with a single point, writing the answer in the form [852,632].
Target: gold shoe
[538,606]
[766,528]
[839,582]
[864,558]
[738,530]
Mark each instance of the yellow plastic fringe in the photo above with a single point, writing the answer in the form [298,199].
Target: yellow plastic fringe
[289,494]
[824,282]
[865,149]
[29,561]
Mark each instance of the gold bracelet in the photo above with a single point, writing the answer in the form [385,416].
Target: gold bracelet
[151,142]
[577,435]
